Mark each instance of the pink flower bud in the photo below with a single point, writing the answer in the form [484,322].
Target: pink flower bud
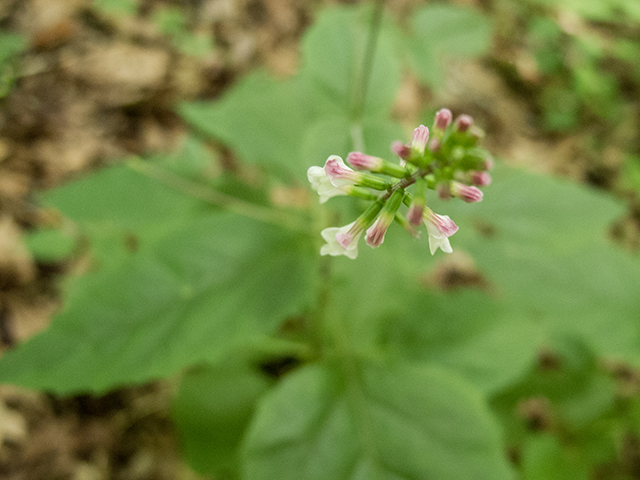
[444,190]
[434,145]
[419,141]
[375,233]
[463,123]
[466,193]
[442,119]
[480,179]
[401,150]
[361,161]
[415,213]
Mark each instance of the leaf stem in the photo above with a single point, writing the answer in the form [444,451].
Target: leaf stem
[229,202]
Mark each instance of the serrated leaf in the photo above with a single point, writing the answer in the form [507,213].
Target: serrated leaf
[442,31]
[212,410]
[372,421]
[217,282]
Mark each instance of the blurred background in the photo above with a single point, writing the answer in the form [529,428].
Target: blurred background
[84,84]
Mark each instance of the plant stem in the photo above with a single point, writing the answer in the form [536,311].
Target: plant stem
[362,83]
[405,182]
[318,318]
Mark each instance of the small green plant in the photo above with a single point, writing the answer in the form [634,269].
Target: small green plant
[296,365]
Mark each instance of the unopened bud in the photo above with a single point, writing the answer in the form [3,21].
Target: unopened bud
[375,234]
[361,161]
[480,179]
[442,119]
[465,192]
[401,150]
[419,141]
[444,190]
[463,123]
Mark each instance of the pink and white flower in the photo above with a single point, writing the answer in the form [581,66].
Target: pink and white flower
[342,240]
[321,184]
[338,173]
[439,228]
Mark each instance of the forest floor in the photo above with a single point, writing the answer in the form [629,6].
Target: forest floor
[94,88]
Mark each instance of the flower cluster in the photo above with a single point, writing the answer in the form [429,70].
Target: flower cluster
[445,159]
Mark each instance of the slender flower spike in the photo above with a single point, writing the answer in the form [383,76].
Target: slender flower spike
[375,233]
[439,228]
[321,184]
[466,193]
[419,141]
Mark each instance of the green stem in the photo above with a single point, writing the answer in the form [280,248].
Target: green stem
[362,83]
[207,194]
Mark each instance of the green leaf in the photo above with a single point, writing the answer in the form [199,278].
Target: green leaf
[10,44]
[217,282]
[193,160]
[50,245]
[442,31]
[545,459]
[489,345]
[121,210]
[262,119]
[333,52]
[375,421]
[542,244]
[212,410]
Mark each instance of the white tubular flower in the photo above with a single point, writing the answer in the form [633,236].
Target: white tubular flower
[439,228]
[438,240]
[342,240]
[321,184]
